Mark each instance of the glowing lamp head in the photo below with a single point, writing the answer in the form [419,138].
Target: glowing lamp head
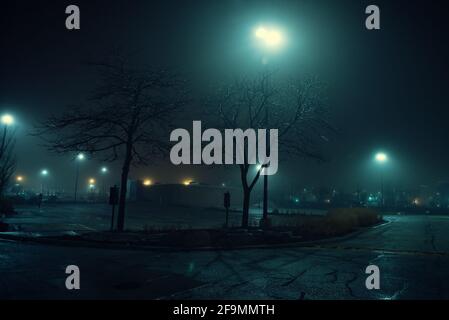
[261,32]
[381,157]
[147,182]
[19,178]
[187,182]
[104,170]
[44,172]
[80,156]
[7,119]
[92,181]
[270,37]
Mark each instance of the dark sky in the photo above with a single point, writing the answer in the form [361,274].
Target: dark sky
[387,88]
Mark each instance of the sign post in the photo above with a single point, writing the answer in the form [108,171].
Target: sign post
[113,201]
[227,204]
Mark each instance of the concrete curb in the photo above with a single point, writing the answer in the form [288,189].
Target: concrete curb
[129,246]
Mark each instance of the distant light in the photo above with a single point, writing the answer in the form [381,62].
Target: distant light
[147,182]
[19,178]
[187,182]
[104,170]
[7,119]
[91,186]
[381,157]
[416,202]
[44,172]
[80,156]
[92,181]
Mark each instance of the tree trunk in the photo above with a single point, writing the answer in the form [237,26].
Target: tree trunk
[124,189]
[246,202]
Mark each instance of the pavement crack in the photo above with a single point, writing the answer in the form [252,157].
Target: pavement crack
[348,282]
[294,278]
[334,274]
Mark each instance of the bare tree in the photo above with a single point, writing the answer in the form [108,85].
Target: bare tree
[127,118]
[295,107]
[7,158]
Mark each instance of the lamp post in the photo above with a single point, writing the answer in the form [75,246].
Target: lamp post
[381,158]
[104,171]
[271,39]
[80,157]
[92,187]
[19,185]
[7,120]
[44,174]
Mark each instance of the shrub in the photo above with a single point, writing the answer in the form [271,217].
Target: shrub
[336,222]
[349,218]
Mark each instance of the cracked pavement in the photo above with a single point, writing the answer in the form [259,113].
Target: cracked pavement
[412,253]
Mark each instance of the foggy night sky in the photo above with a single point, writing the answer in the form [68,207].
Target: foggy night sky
[387,88]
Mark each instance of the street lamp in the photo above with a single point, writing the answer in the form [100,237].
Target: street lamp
[104,171]
[147,182]
[92,184]
[381,158]
[7,119]
[44,174]
[272,39]
[80,157]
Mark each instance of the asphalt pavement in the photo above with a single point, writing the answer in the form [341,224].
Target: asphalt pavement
[412,253]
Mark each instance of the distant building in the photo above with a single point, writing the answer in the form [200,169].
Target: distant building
[194,195]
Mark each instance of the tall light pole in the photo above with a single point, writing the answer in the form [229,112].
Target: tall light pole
[271,39]
[80,157]
[104,171]
[44,174]
[7,120]
[381,158]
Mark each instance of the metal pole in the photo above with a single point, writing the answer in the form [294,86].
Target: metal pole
[76,177]
[382,188]
[265,179]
